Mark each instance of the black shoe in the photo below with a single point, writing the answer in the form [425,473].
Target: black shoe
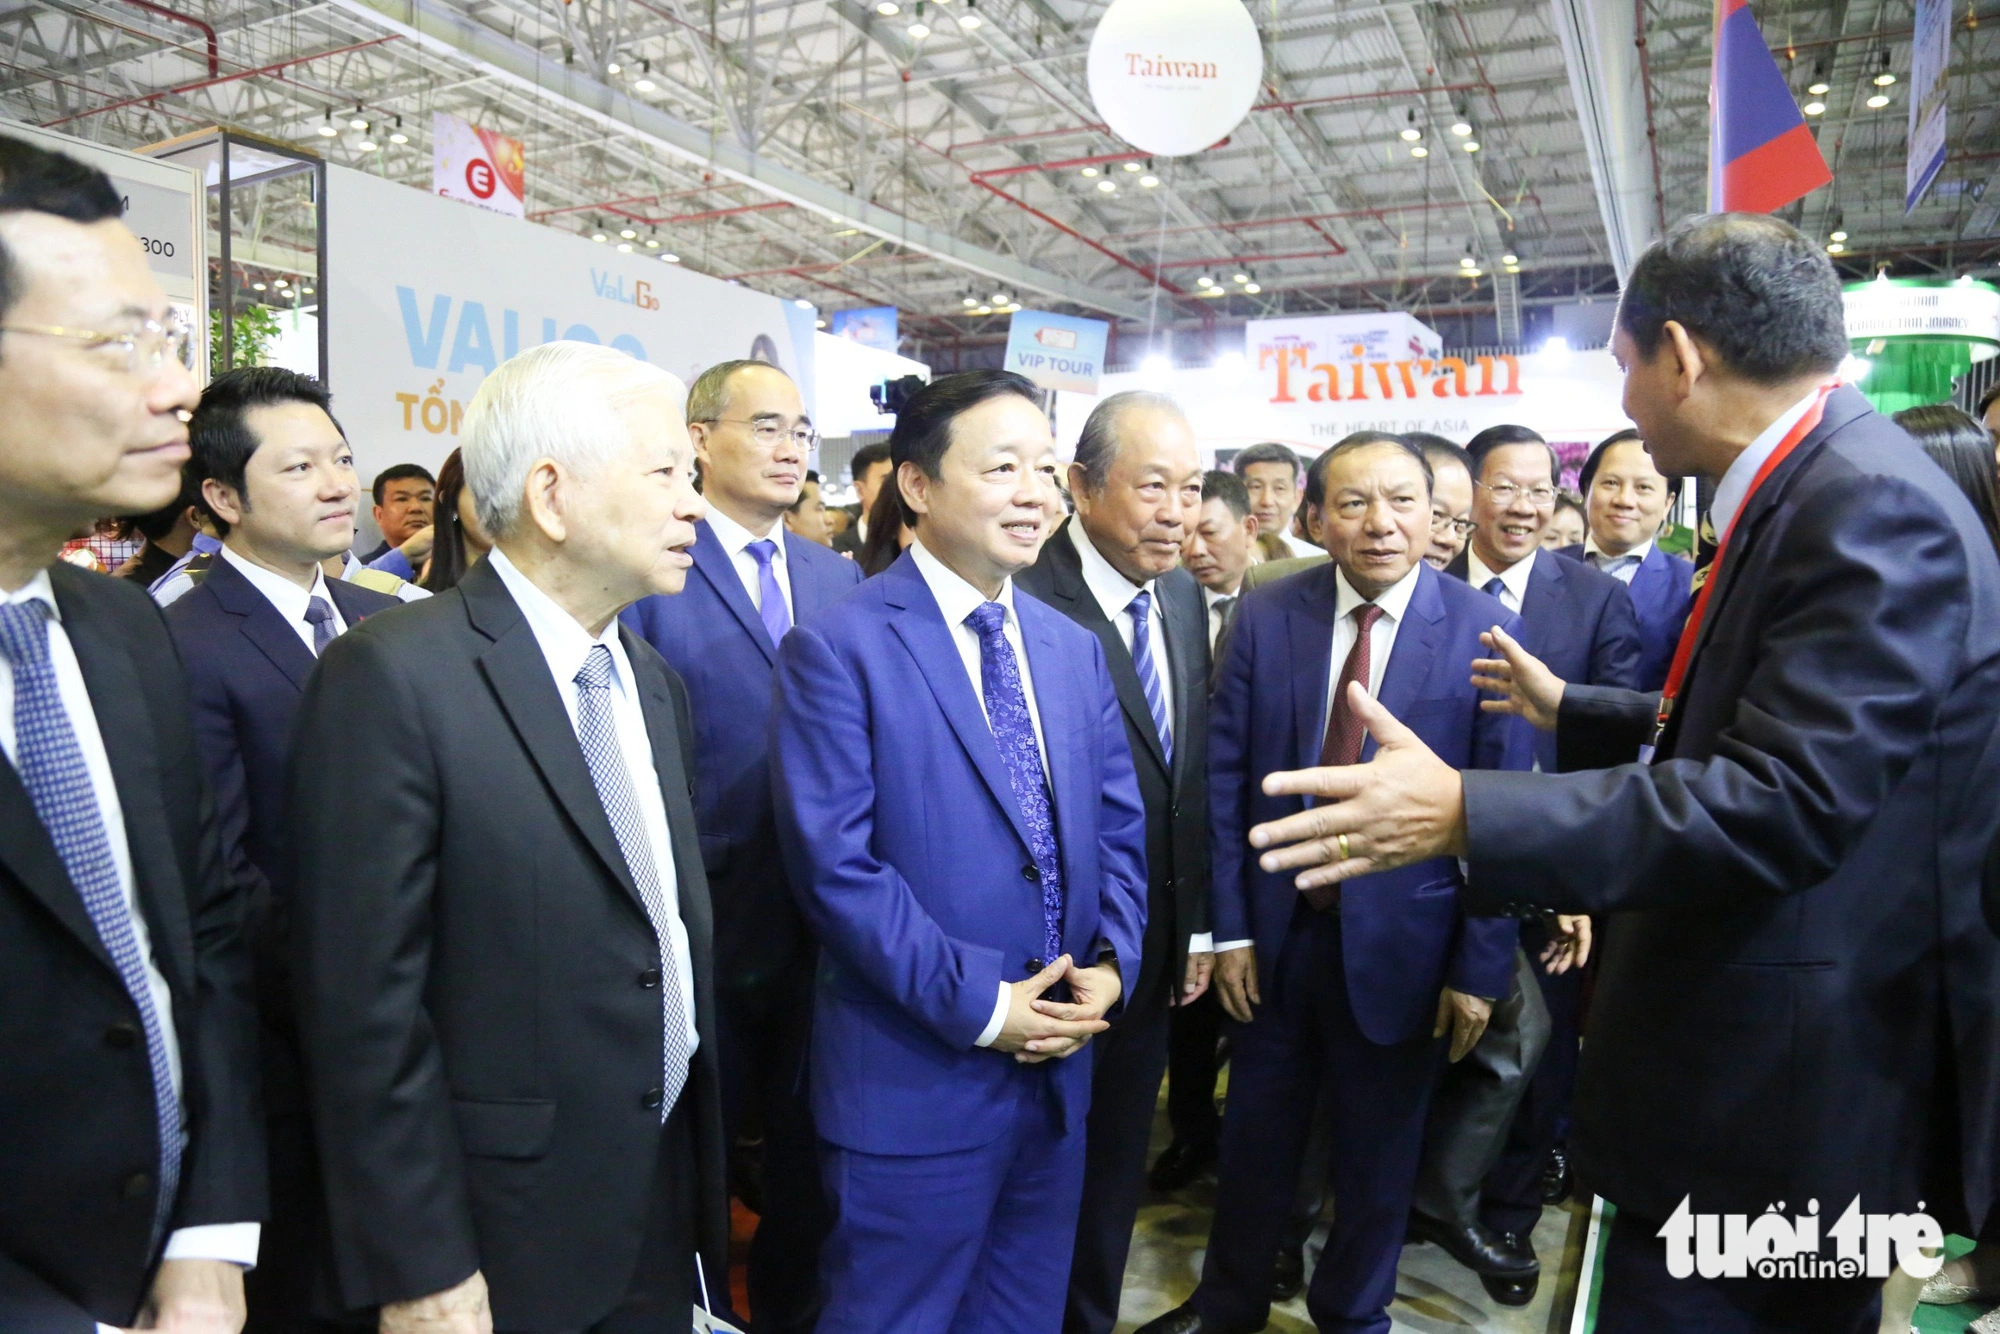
[1510,1291]
[1180,1163]
[1557,1180]
[1478,1247]
[1182,1320]
[1288,1274]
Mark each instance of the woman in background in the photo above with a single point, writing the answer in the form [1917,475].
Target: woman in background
[1960,446]
[887,533]
[459,541]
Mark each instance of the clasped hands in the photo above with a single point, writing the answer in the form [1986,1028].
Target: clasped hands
[1038,1030]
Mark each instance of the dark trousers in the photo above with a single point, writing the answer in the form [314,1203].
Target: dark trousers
[1640,1297]
[1512,1201]
[1124,1089]
[1473,1109]
[1379,1095]
[278,1293]
[972,1242]
[1193,1066]
[763,1033]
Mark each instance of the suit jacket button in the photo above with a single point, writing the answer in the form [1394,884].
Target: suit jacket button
[1032,872]
[651,1099]
[1034,966]
[650,978]
[121,1037]
[138,1186]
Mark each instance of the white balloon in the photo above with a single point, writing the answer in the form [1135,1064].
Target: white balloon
[1173,77]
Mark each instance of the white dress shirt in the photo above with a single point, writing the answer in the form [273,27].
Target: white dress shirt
[1621,568]
[1395,604]
[290,600]
[1299,546]
[736,540]
[1734,487]
[1209,599]
[1514,579]
[234,1242]
[565,644]
[957,600]
[1114,594]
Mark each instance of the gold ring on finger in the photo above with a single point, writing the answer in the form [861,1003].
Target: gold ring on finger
[1344,853]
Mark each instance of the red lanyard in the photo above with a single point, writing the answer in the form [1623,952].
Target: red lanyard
[1684,652]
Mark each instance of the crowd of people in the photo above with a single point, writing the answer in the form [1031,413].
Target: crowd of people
[435,938]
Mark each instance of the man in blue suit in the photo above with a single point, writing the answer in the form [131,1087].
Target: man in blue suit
[1361,984]
[1575,615]
[276,477]
[958,809]
[1626,498]
[752,581]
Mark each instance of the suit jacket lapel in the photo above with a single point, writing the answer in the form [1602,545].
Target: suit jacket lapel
[1075,600]
[1540,618]
[1186,620]
[1415,650]
[260,622]
[714,565]
[1309,628]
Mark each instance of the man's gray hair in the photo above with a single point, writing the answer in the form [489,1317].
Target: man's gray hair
[1098,445]
[561,401]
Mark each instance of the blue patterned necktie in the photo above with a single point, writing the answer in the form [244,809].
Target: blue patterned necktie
[1014,730]
[52,768]
[1496,586]
[770,599]
[1141,607]
[597,732]
[319,615]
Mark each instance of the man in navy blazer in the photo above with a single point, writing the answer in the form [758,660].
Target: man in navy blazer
[1361,985]
[1626,498]
[958,809]
[276,478]
[752,581]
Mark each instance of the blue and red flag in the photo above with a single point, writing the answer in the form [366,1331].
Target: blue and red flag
[1761,156]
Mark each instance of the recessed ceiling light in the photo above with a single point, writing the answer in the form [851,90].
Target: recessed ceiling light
[1420,151]
[920,30]
[1820,89]
[1838,236]
[1815,108]
[1412,134]
[399,138]
[1108,187]
[1472,145]
[1884,79]
[1461,128]
[1252,288]
[1148,182]
[1090,171]
[1878,101]
[888,9]
[644,85]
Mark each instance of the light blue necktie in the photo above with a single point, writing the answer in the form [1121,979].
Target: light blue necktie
[1014,730]
[770,599]
[52,768]
[1141,607]
[1496,586]
[319,615]
[597,732]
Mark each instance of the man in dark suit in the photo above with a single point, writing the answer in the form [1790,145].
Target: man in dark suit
[957,804]
[752,581]
[870,468]
[501,932]
[277,479]
[405,495]
[1360,984]
[1576,616]
[1114,569]
[1627,498]
[131,1149]
[1797,995]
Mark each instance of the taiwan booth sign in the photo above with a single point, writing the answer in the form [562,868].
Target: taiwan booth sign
[427,297]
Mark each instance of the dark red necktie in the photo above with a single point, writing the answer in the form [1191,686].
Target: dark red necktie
[1344,732]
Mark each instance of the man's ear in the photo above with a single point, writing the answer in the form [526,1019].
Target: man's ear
[542,499]
[223,501]
[913,486]
[1689,362]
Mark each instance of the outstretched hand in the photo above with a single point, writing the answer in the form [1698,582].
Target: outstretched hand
[1405,805]
[1525,685]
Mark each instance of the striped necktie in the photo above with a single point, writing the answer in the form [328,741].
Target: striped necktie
[1141,608]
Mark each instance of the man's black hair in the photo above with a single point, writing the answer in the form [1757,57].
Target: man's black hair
[1496,437]
[35,180]
[1754,288]
[867,457]
[161,521]
[923,427]
[1227,487]
[1440,450]
[220,442]
[1987,400]
[1590,465]
[1316,474]
[812,478]
[1268,452]
[400,472]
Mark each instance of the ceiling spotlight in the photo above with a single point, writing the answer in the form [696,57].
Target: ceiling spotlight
[624,248]
[1877,102]
[982,310]
[1205,280]
[1461,128]
[1513,268]
[1090,171]
[644,86]
[357,124]
[1135,166]
[1212,292]
[628,234]
[1001,298]
[599,237]
[1108,187]
[1834,248]
[969,302]
[1239,277]
[1418,150]
[1467,262]
[968,20]
[1820,88]
[308,291]
[819,324]
[920,30]
[1411,134]
[1252,288]
[366,145]
[802,303]
[1884,79]
[399,138]
[281,282]
[613,68]
[1838,235]
[327,128]
[1471,145]
[256,287]
[1474,273]
[1815,108]
[652,243]
[1148,182]
[669,257]
[888,9]
[1510,259]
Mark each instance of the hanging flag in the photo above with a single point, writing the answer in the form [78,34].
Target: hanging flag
[1761,156]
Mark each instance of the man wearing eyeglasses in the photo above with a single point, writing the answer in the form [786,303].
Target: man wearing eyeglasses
[1451,496]
[131,1147]
[1585,619]
[752,581]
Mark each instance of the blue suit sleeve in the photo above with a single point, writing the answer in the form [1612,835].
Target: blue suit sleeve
[1121,832]
[396,563]
[1483,962]
[1616,651]
[860,908]
[1229,784]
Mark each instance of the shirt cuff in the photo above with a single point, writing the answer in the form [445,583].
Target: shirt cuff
[1204,943]
[235,1243]
[999,1019]
[1233,945]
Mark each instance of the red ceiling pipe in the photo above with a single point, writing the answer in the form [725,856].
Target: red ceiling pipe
[1148,274]
[214,52]
[614,203]
[177,89]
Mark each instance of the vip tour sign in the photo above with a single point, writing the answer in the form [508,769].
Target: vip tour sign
[1060,352]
